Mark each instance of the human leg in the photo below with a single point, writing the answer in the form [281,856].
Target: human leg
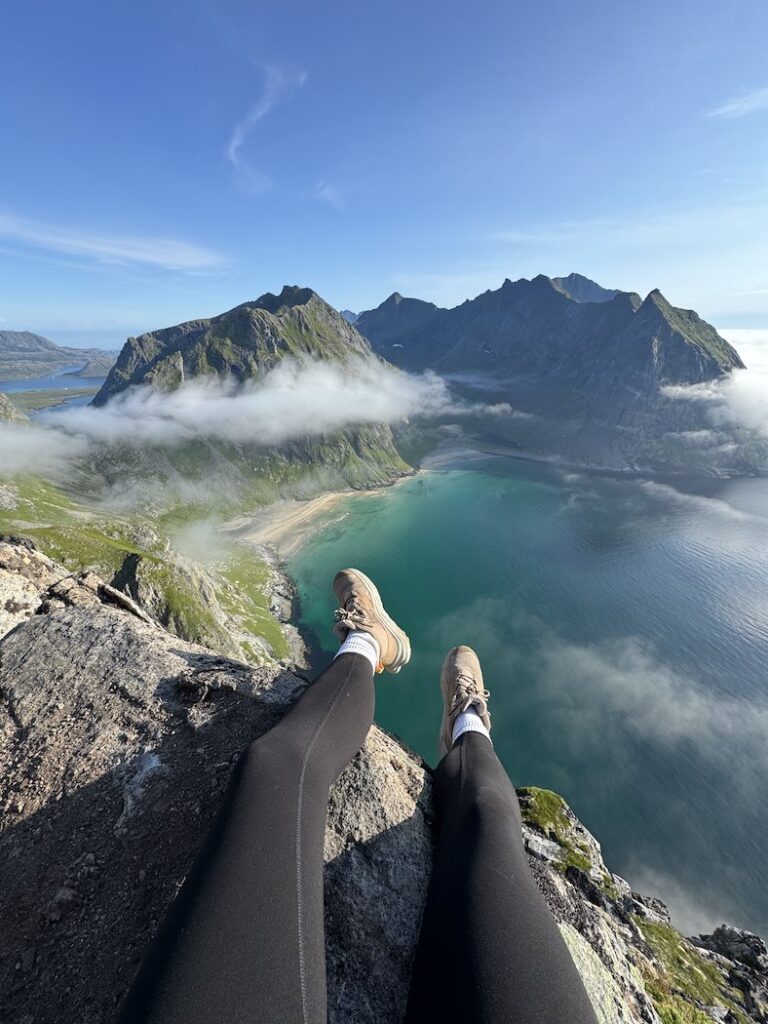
[489,951]
[244,938]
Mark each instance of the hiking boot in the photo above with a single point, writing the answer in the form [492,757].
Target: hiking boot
[360,608]
[461,683]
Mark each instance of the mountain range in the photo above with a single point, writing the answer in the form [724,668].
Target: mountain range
[582,370]
[561,328]
[585,367]
[24,354]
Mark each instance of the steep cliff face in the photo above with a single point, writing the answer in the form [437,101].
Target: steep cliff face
[581,289]
[116,743]
[586,372]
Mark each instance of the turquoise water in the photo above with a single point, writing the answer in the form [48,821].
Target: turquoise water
[623,629]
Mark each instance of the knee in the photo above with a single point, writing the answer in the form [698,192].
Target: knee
[487,802]
[275,754]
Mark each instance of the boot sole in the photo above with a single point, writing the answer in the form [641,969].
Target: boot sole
[402,642]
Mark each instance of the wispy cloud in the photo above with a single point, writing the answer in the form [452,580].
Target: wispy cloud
[750,103]
[279,84]
[325,192]
[673,227]
[167,253]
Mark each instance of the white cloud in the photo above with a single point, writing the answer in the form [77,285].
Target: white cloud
[741,398]
[294,400]
[669,227]
[167,253]
[750,103]
[28,448]
[695,909]
[279,84]
[324,192]
[602,692]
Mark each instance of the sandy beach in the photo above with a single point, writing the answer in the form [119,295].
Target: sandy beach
[285,525]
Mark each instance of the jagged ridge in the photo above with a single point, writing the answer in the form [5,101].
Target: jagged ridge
[538,327]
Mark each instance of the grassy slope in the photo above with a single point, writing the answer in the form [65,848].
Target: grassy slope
[32,401]
[82,538]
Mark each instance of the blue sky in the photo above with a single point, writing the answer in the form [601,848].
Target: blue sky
[163,161]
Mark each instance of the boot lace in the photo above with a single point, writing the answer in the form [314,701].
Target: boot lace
[467,694]
[351,616]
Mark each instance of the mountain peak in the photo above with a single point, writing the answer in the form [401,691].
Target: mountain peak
[245,342]
[584,289]
[394,317]
[290,296]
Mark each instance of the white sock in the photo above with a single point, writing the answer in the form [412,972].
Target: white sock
[469,721]
[358,642]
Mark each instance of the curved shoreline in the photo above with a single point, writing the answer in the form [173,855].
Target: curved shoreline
[287,524]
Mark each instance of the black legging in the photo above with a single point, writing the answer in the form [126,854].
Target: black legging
[244,939]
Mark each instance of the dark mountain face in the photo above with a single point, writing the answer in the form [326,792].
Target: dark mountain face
[586,378]
[581,289]
[396,316]
[244,342]
[537,328]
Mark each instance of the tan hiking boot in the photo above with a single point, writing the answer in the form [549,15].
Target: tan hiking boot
[461,683]
[360,608]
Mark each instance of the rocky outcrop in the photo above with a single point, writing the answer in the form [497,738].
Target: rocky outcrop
[8,411]
[116,743]
[25,573]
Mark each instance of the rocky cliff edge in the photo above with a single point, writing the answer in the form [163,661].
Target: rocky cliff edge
[117,739]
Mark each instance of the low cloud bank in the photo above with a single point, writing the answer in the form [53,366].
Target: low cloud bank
[39,450]
[294,400]
[741,399]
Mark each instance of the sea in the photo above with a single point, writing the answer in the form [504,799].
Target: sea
[622,626]
[57,381]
